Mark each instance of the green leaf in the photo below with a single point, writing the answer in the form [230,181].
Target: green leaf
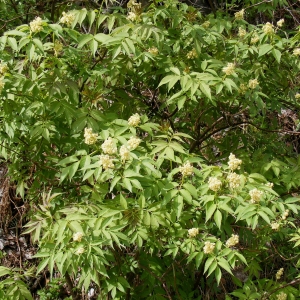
[210,209]
[205,89]
[93,46]
[224,264]
[84,39]
[39,44]
[186,195]
[67,160]
[72,170]
[208,263]
[123,202]
[42,265]
[218,218]
[277,54]
[264,216]
[12,43]
[4,271]
[263,49]
[192,190]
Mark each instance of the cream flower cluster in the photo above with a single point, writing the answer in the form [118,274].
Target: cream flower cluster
[270,184]
[268,28]
[280,23]
[255,195]
[109,146]
[153,50]
[90,138]
[186,169]
[132,16]
[214,184]
[234,163]
[67,18]
[279,273]
[77,236]
[243,88]
[36,25]
[58,47]
[3,69]
[124,153]
[242,32]
[229,69]
[297,96]
[206,24]
[282,296]
[285,214]
[296,51]
[239,15]
[253,83]
[192,54]
[106,162]
[254,39]
[1,84]
[234,180]
[275,226]
[232,241]
[80,251]
[193,232]
[134,120]
[133,143]
[208,247]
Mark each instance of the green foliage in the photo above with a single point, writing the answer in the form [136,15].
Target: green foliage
[111,124]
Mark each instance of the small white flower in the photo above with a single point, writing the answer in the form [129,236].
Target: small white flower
[58,47]
[232,241]
[77,236]
[242,32]
[124,153]
[254,39]
[2,83]
[270,184]
[229,69]
[279,273]
[268,28]
[280,23]
[36,25]
[67,18]
[106,162]
[296,52]
[3,68]
[90,138]
[234,180]
[109,146]
[208,247]
[134,120]
[275,226]
[297,96]
[132,16]
[192,54]
[282,296]
[234,163]
[243,88]
[214,184]
[255,195]
[285,214]
[239,15]
[253,83]
[153,50]
[80,251]
[193,232]
[133,143]
[206,24]
[186,169]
